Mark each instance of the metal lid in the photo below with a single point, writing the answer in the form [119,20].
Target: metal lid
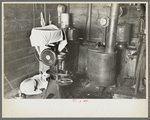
[96,49]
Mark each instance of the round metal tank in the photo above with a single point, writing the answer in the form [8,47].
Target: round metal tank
[123,32]
[101,68]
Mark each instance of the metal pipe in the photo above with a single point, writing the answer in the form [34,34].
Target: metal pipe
[88,22]
[63,65]
[110,43]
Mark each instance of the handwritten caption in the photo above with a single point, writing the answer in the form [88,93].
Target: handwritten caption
[76,100]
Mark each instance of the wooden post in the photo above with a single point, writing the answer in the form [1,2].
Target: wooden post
[45,14]
[139,65]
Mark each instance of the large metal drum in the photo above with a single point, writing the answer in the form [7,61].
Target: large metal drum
[83,51]
[101,68]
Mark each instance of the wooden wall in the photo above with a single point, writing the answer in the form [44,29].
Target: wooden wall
[79,13]
[19,59]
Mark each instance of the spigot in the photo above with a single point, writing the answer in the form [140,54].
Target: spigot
[97,44]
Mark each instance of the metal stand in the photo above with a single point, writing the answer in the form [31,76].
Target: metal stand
[61,78]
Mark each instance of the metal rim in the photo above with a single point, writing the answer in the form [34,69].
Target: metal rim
[64,82]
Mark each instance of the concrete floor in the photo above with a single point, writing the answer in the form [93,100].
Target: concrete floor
[82,88]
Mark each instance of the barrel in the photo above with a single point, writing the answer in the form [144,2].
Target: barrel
[83,53]
[123,32]
[101,68]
